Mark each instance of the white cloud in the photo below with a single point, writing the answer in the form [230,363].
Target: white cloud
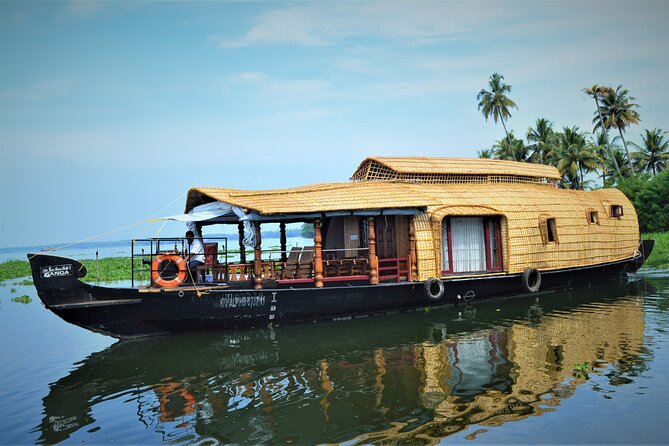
[264,84]
[328,22]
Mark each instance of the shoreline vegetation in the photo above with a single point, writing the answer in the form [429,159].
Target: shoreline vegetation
[111,269]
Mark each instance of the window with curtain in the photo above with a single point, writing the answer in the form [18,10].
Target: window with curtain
[468,242]
[471,244]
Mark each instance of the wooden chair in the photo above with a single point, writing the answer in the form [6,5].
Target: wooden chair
[289,267]
[210,262]
[306,266]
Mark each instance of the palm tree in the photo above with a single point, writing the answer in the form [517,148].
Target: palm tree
[574,156]
[617,110]
[543,137]
[653,156]
[495,103]
[486,153]
[511,148]
[609,165]
[619,156]
[596,92]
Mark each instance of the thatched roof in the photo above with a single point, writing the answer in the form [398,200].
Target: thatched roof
[391,168]
[352,196]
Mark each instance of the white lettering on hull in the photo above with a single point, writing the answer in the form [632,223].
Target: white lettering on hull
[242,300]
[47,272]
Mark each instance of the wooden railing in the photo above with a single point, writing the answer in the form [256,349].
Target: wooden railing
[395,269]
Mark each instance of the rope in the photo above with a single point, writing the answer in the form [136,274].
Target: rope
[113,230]
[91,238]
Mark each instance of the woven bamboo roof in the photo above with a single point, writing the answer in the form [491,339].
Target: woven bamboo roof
[352,196]
[401,166]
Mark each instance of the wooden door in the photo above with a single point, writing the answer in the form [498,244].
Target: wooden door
[385,237]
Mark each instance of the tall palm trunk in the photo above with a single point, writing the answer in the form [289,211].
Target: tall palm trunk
[629,160]
[507,136]
[608,146]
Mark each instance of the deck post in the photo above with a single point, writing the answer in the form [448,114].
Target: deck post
[373,260]
[282,229]
[413,267]
[242,249]
[318,254]
[257,259]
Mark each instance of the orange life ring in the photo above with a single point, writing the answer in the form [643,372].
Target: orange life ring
[159,266]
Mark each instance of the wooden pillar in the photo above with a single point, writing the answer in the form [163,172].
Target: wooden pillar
[242,249]
[257,261]
[413,265]
[282,229]
[373,260]
[318,254]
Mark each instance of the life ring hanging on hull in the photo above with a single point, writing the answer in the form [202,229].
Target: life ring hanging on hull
[168,270]
[433,288]
[531,280]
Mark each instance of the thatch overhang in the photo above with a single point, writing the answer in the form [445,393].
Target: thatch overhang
[319,199]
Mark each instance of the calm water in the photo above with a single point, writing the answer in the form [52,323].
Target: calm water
[497,372]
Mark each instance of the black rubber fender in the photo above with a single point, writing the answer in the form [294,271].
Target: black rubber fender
[433,288]
[531,280]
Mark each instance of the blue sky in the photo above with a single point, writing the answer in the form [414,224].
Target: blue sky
[112,110]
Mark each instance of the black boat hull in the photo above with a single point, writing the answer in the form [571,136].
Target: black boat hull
[132,312]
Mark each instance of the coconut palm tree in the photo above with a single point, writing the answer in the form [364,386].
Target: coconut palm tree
[486,153]
[543,138]
[653,155]
[575,155]
[618,110]
[495,103]
[620,158]
[596,92]
[511,148]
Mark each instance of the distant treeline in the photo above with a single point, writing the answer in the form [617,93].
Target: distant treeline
[296,232]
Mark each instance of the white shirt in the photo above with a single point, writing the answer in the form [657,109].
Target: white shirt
[196,250]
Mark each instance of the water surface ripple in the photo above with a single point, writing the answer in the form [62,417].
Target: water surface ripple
[498,372]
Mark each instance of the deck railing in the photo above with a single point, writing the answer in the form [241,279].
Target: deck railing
[395,269]
[143,252]
[338,264]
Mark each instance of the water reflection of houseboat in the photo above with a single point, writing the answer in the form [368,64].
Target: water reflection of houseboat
[438,374]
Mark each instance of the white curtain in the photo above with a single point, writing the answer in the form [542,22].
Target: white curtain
[468,242]
[445,262]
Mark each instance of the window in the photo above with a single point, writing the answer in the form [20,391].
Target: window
[548,229]
[616,211]
[592,217]
[471,244]
[552,230]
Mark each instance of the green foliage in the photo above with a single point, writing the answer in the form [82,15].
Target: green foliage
[660,256]
[653,155]
[108,269]
[13,269]
[652,204]
[650,199]
[26,282]
[307,230]
[630,186]
[581,370]
[25,299]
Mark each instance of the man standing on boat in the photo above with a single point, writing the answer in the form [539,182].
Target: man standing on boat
[195,255]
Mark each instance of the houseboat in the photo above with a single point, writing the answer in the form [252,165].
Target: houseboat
[403,234]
